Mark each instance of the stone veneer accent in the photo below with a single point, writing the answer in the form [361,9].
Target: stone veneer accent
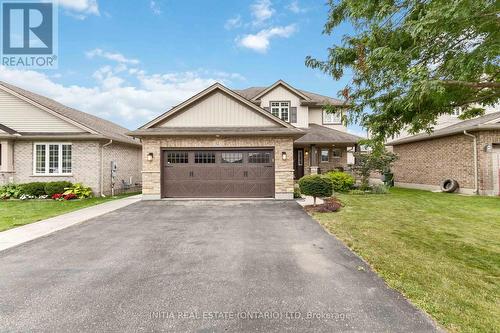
[151,180]
[425,164]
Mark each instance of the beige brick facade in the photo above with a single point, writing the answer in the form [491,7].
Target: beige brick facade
[429,162]
[86,164]
[152,169]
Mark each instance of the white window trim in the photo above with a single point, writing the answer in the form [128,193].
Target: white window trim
[280,107]
[321,155]
[47,174]
[323,117]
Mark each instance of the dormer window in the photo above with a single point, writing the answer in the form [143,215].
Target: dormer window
[281,110]
[332,118]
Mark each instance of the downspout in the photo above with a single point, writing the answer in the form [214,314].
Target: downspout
[476,173]
[102,166]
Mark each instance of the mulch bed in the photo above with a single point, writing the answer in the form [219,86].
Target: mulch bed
[328,206]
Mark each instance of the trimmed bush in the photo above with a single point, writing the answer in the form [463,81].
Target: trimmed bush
[342,182]
[10,191]
[316,186]
[79,190]
[35,189]
[56,187]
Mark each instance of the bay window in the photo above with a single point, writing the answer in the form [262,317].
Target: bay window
[52,159]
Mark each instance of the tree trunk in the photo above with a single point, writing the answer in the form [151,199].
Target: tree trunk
[314,202]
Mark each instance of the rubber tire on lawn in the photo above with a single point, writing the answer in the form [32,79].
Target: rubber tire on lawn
[449,186]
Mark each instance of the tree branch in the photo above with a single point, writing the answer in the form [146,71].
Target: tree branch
[472,84]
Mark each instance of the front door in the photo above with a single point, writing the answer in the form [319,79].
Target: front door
[298,162]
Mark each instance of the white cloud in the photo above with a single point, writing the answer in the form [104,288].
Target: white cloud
[155,7]
[262,11]
[260,41]
[233,23]
[294,7]
[80,8]
[128,97]
[118,57]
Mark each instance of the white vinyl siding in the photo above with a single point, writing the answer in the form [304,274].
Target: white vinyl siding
[52,159]
[219,110]
[25,117]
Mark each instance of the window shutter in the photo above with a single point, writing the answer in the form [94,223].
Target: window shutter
[293,114]
[267,108]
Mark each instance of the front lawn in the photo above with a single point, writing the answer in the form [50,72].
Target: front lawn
[442,251]
[15,213]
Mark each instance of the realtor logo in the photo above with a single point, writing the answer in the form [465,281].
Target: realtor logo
[29,34]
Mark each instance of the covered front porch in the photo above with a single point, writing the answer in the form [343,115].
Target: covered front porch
[322,150]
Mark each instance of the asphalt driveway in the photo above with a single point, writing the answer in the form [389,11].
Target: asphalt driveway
[225,266]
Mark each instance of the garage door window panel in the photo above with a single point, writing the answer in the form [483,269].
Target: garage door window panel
[204,157]
[177,157]
[232,157]
[259,157]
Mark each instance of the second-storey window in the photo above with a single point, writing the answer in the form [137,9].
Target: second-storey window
[332,117]
[52,159]
[281,110]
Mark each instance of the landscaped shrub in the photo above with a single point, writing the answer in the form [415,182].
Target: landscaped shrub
[342,181]
[79,190]
[380,189]
[35,189]
[316,186]
[56,187]
[10,191]
[296,193]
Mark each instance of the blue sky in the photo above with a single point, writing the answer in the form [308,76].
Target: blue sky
[128,61]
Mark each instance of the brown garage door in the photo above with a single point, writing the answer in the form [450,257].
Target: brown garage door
[218,173]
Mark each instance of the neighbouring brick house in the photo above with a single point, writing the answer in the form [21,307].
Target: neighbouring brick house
[242,143]
[43,140]
[468,151]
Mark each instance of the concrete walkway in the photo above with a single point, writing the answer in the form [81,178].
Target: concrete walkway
[23,234]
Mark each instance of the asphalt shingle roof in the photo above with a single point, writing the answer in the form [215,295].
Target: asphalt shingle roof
[251,92]
[104,127]
[317,134]
[483,122]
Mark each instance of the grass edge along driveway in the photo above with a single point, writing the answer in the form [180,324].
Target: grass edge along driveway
[442,251]
[16,213]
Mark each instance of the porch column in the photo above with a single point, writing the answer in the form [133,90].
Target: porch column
[7,162]
[314,160]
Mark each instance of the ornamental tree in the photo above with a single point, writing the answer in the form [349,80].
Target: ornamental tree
[316,186]
[413,60]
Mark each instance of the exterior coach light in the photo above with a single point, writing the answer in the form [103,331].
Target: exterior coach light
[150,157]
[283,155]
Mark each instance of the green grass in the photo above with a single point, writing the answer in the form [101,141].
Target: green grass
[442,251]
[15,213]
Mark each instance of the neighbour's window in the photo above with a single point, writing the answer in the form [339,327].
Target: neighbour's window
[325,156]
[281,110]
[260,157]
[336,153]
[176,157]
[204,157]
[52,159]
[332,117]
[232,157]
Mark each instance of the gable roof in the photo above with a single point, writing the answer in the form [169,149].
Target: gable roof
[206,92]
[88,122]
[317,134]
[486,122]
[284,84]
[252,92]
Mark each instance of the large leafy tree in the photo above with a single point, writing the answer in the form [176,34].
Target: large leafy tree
[413,60]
